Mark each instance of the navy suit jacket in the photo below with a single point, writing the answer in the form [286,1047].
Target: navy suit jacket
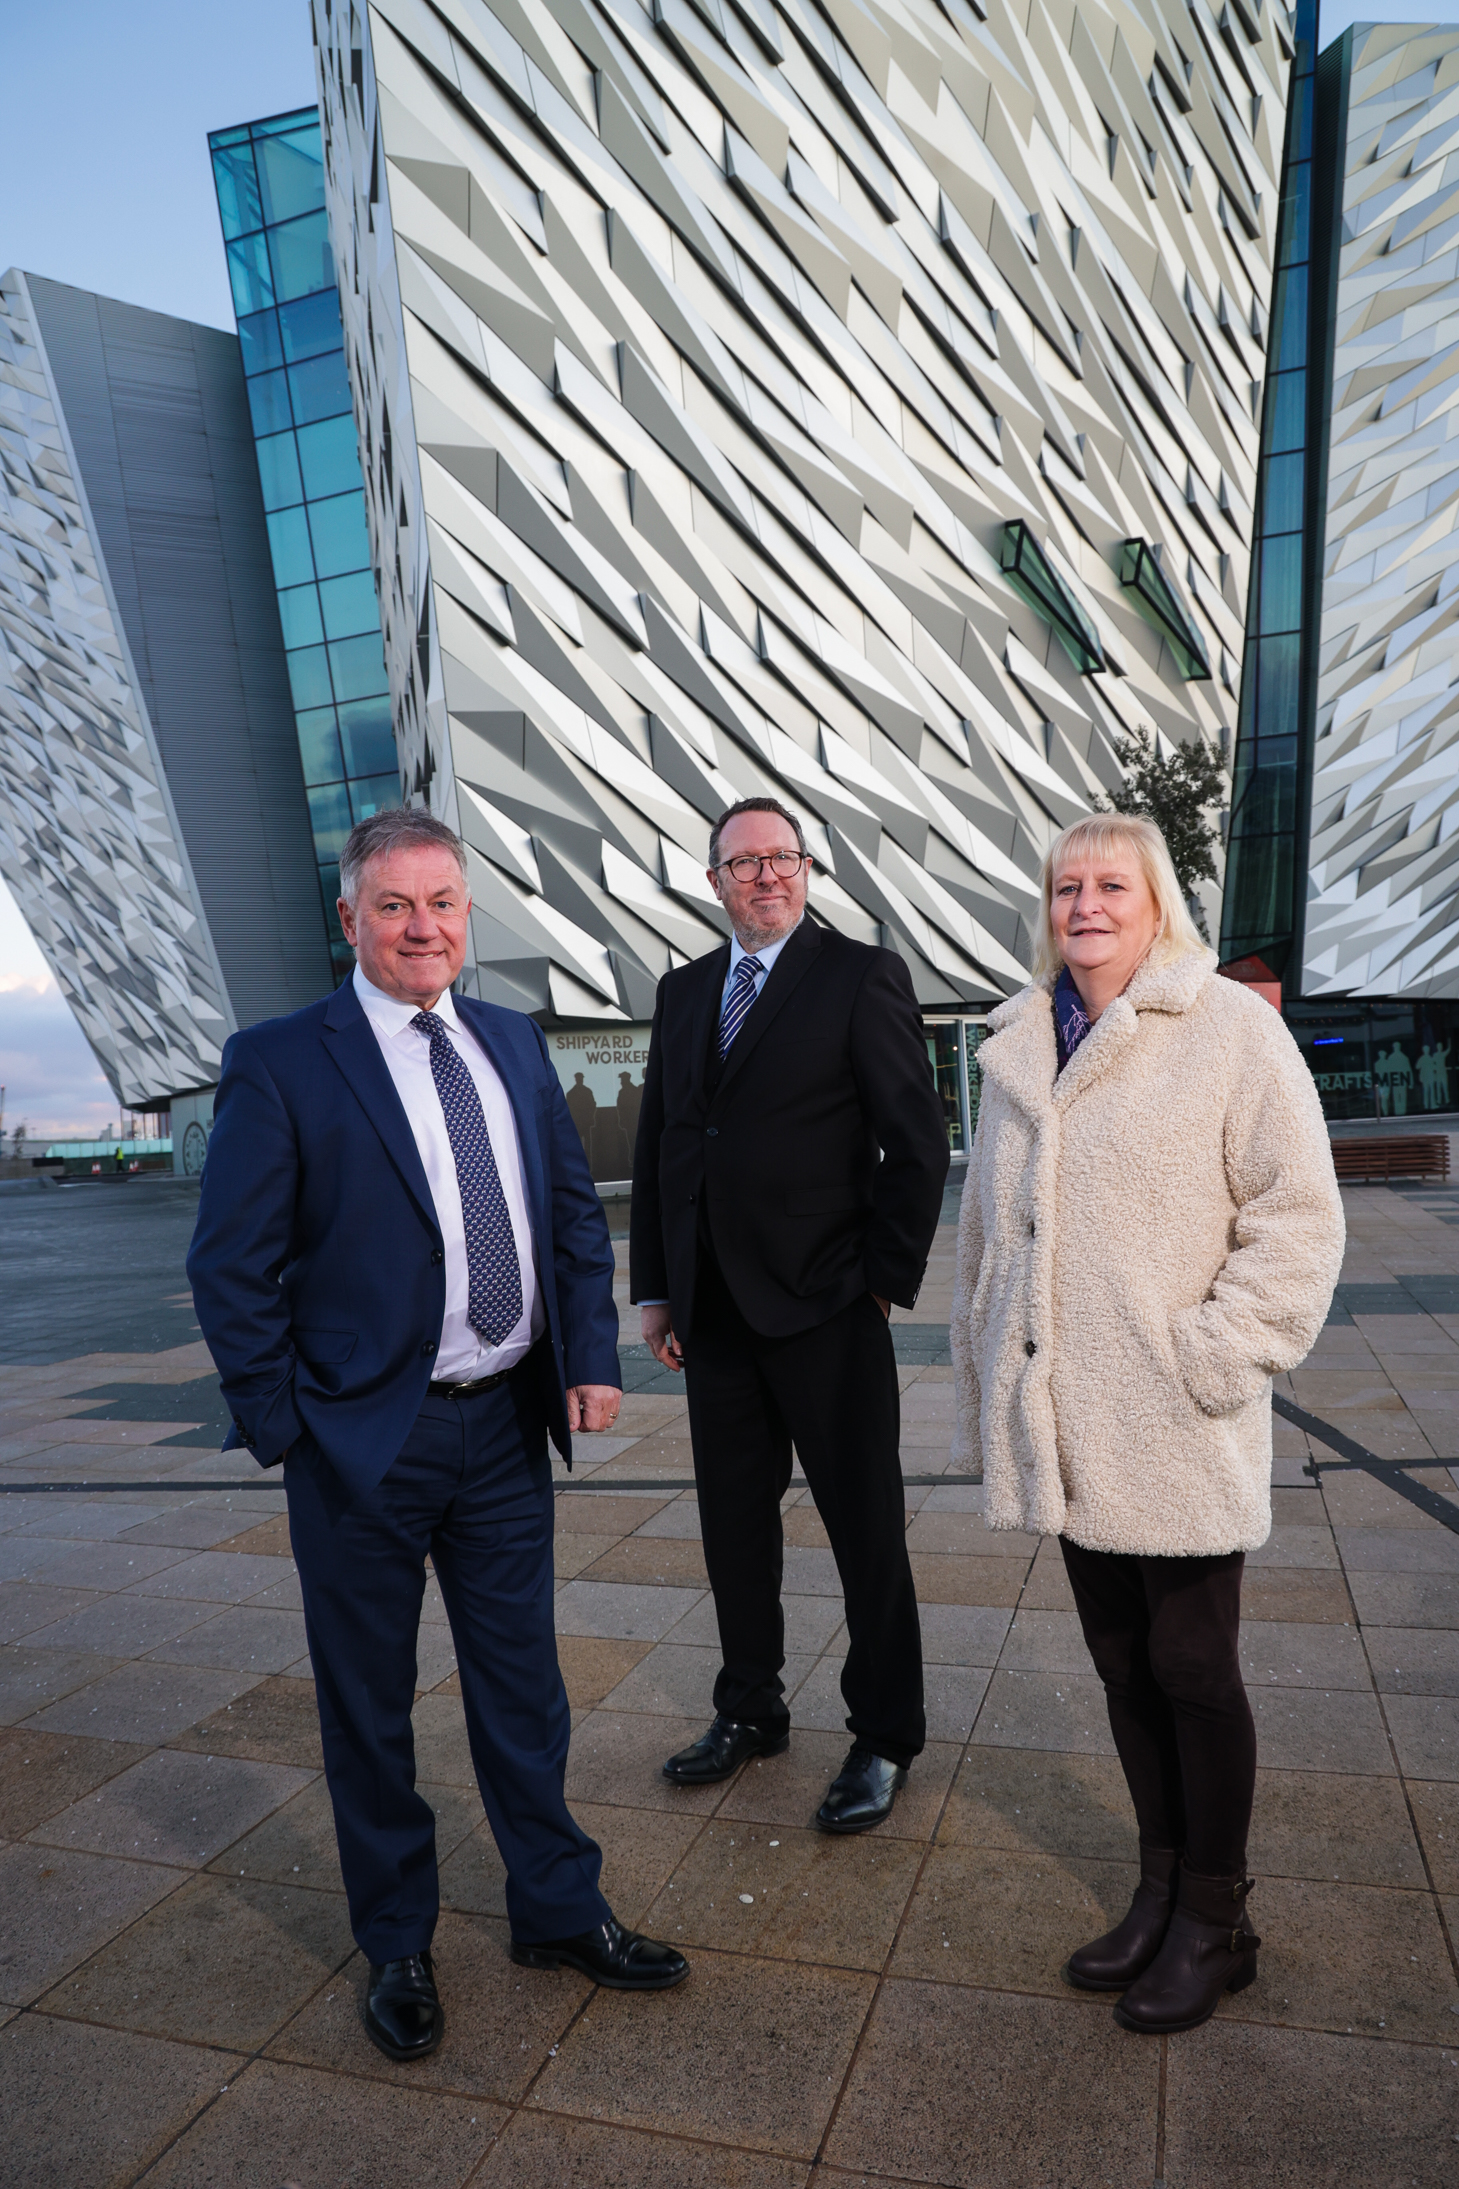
[317,1264]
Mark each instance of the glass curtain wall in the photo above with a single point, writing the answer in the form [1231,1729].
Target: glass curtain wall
[1260,909]
[270,184]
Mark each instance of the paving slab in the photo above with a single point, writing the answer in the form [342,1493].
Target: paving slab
[30,1678]
[788,1892]
[61,1905]
[553,2151]
[1316,2112]
[283,2124]
[1425,1732]
[95,2107]
[223,1961]
[143,1702]
[748,2051]
[987,2090]
[1350,1958]
[619,1611]
[274,1721]
[173,1807]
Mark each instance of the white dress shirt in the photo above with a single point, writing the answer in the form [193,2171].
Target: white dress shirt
[462,1354]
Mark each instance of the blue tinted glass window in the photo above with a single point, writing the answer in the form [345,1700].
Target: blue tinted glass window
[374,794]
[288,538]
[300,257]
[1282,509]
[319,746]
[258,339]
[321,387]
[329,456]
[329,814]
[1285,418]
[1276,686]
[299,613]
[278,471]
[365,733]
[248,270]
[311,324]
[1289,318]
[359,666]
[341,538]
[268,399]
[291,173]
[1296,217]
[1281,583]
[349,605]
[1299,120]
[309,678]
[238,199]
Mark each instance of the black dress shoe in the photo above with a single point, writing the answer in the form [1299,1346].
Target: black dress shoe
[863,1794]
[403,2013]
[721,1751]
[622,1960]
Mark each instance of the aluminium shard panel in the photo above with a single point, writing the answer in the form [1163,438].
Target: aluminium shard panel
[1382,915]
[702,354]
[89,841]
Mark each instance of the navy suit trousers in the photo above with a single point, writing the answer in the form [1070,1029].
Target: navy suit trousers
[473,1488]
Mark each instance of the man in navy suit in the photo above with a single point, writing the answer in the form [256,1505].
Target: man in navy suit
[404,1275]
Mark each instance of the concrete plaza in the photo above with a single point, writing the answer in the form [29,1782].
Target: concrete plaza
[179,1992]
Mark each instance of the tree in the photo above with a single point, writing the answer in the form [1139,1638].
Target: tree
[1177,795]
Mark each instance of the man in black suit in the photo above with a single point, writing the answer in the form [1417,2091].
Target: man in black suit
[787,1183]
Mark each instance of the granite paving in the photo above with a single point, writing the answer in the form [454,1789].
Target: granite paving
[180,1996]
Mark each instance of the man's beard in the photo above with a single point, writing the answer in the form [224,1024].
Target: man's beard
[752,934]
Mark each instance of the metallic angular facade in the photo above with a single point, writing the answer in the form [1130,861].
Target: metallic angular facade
[707,358]
[1382,910]
[153,827]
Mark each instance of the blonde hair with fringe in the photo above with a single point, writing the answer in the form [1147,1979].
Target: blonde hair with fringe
[1116,836]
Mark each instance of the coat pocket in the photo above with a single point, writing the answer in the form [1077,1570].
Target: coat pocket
[825,1201]
[319,1347]
[1216,1374]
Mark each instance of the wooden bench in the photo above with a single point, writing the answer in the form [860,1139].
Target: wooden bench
[1413,1155]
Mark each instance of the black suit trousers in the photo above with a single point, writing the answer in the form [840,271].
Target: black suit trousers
[831,1392]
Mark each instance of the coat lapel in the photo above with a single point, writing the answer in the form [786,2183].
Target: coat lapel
[349,1039]
[785,975]
[712,971]
[1020,1058]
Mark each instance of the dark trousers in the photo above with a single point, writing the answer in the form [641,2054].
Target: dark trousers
[832,1392]
[1163,1636]
[473,1488]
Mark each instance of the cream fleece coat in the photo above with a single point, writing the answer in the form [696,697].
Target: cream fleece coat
[1145,1240]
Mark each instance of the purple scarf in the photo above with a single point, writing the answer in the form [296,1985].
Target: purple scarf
[1071,1020]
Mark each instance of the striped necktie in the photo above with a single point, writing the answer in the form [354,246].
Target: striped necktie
[494,1273]
[738,1001]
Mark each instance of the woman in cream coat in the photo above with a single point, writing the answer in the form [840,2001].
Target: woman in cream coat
[1150,1231]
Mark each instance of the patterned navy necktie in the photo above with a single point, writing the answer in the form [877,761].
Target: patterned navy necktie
[738,1001]
[494,1293]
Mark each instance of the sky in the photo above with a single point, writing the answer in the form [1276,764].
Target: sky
[104,182]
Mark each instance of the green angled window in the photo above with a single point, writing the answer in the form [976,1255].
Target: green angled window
[1035,580]
[1160,604]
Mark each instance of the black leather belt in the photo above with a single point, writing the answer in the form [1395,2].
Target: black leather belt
[467,1390]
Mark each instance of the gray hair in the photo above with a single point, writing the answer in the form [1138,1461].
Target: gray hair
[752,805]
[397,828]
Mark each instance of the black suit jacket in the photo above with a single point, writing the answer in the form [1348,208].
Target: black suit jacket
[818,1153]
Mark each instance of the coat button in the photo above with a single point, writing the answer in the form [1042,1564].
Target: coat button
[691,1200]
[430,1346]
[1029,1347]
[1030,1227]
[711,1132]
[436,1256]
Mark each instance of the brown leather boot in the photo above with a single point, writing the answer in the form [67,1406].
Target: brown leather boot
[1113,1962]
[1209,1949]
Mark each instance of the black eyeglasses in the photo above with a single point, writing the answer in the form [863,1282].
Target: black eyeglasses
[747,867]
